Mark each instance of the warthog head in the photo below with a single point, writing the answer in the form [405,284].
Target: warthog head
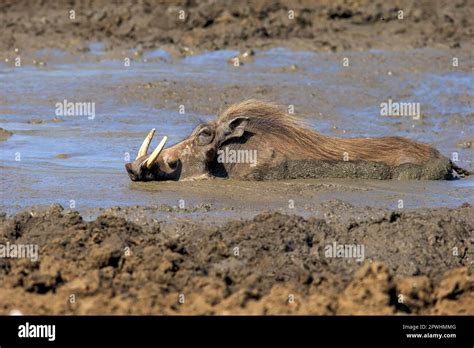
[257,129]
[194,157]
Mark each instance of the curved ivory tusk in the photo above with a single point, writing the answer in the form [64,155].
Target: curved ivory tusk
[146,143]
[156,153]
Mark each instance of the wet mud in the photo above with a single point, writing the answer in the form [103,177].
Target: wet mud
[57,160]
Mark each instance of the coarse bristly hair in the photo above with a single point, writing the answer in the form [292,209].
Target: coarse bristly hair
[295,140]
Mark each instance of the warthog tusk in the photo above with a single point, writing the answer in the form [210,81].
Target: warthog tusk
[156,153]
[146,143]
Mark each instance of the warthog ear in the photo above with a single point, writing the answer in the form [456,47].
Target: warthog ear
[234,128]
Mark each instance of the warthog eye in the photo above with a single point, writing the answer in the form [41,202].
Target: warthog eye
[173,165]
[205,136]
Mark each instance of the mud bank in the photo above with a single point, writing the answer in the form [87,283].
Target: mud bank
[329,25]
[406,262]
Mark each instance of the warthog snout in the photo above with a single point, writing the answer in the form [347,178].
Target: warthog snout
[146,166]
[132,173]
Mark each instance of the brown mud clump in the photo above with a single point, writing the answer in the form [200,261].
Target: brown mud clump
[271,264]
[4,134]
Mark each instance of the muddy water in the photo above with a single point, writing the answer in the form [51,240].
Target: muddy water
[79,160]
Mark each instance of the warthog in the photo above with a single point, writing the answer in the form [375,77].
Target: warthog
[256,140]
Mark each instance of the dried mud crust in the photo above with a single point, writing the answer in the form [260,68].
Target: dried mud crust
[330,25]
[114,266]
